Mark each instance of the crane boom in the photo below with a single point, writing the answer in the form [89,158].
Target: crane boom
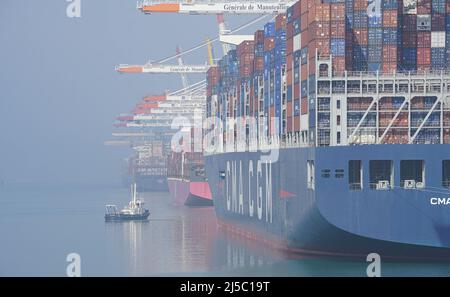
[184,79]
[161,69]
[216,7]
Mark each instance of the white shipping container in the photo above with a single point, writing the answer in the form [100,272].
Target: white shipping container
[297,42]
[438,39]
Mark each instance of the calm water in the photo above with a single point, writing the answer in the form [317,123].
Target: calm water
[39,226]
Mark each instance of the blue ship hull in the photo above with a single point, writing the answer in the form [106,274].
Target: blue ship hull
[274,203]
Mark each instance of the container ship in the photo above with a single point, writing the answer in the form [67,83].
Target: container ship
[149,167]
[331,130]
[186,176]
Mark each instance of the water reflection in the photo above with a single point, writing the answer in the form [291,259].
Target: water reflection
[185,241]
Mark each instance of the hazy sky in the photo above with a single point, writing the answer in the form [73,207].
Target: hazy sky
[59,93]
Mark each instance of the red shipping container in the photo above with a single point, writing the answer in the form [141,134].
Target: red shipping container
[389,67]
[337,29]
[289,30]
[339,65]
[424,39]
[360,36]
[390,18]
[409,39]
[269,44]
[289,77]
[304,71]
[289,125]
[303,7]
[409,22]
[289,111]
[296,120]
[304,106]
[423,6]
[322,45]
[304,22]
[438,22]
[311,66]
[319,30]
[289,45]
[423,56]
[289,61]
[305,37]
[360,5]
[259,64]
[280,21]
[337,12]
[389,53]
[245,47]
[297,10]
[296,91]
[259,36]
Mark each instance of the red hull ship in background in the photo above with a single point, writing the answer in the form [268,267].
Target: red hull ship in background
[186,176]
[187,180]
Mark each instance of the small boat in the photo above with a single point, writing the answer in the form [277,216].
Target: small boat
[135,210]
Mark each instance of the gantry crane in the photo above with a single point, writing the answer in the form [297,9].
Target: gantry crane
[225,37]
[214,7]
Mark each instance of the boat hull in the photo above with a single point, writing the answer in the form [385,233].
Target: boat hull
[151,183]
[127,217]
[185,192]
[274,203]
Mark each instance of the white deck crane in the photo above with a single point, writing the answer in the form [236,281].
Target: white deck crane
[214,7]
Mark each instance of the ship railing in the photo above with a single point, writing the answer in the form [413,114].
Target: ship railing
[446,183]
[355,186]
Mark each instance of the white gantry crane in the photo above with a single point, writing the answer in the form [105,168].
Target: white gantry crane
[225,37]
[214,7]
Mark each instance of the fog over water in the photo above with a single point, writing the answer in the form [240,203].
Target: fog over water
[59,93]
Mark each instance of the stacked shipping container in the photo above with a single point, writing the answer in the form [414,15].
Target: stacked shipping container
[277,72]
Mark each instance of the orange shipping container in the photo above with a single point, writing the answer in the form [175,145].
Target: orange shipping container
[337,12]
[360,4]
[337,29]
[389,53]
[390,18]
[320,30]
[389,67]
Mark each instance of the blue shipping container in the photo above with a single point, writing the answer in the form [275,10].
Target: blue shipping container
[269,29]
[338,46]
